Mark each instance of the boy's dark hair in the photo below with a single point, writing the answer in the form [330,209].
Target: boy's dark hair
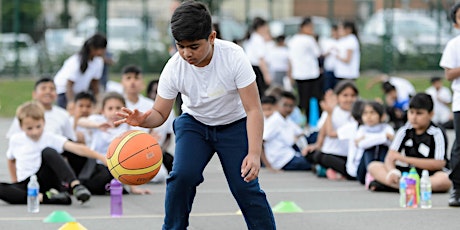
[280,38]
[379,108]
[421,101]
[113,95]
[85,95]
[453,12]
[97,41]
[132,69]
[191,21]
[42,80]
[342,85]
[435,79]
[305,22]
[268,100]
[357,110]
[388,87]
[289,95]
[257,22]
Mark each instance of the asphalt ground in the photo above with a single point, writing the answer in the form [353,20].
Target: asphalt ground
[322,204]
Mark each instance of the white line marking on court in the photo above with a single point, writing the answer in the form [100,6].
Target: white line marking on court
[216,214]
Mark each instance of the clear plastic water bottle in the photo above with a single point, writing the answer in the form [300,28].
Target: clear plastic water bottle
[116,198]
[425,190]
[402,190]
[33,188]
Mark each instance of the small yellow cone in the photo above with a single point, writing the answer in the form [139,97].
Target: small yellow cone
[239,212]
[72,226]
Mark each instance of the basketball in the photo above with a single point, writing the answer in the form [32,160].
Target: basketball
[134,157]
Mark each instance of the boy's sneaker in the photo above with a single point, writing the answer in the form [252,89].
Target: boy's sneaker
[331,174]
[53,196]
[81,193]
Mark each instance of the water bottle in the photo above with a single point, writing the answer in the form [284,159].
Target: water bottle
[425,190]
[116,198]
[411,193]
[414,175]
[402,190]
[33,188]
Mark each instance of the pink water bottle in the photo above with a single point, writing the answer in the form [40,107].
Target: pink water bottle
[116,198]
[411,193]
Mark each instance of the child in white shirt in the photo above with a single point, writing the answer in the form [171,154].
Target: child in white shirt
[36,152]
[104,131]
[372,140]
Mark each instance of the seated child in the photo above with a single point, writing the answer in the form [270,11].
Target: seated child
[333,152]
[57,118]
[419,144]
[280,137]
[372,138]
[84,103]
[104,131]
[35,151]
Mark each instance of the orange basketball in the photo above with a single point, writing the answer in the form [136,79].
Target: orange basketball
[134,157]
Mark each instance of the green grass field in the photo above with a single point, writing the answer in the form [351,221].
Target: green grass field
[13,92]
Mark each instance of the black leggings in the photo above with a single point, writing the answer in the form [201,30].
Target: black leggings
[54,173]
[337,163]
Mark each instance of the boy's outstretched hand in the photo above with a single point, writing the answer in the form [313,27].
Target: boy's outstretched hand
[132,117]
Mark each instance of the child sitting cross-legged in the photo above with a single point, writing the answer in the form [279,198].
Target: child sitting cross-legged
[419,144]
[35,151]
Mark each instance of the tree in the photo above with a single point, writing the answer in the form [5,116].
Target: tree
[29,14]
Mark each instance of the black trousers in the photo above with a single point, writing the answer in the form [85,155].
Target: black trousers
[54,173]
[308,89]
[455,154]
[261,84]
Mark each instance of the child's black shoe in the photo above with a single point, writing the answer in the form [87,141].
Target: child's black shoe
[53,196]
[81,193]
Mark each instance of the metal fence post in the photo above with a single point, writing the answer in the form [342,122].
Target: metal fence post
[16,28]
[387,37]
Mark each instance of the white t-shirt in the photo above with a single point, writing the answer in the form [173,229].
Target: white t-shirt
[451,59]
[57,121]
[303,54]
[333,145]
[279,137]
[329,46]
[101,140]
[28,153]
[440,97]
[71,71]
[404,88]
[87,134]
[278,59]
[348,70]
[144,104]
[373,136]
[256,48]
[210,93]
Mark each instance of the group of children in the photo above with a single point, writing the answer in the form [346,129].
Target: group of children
[66,149]
[355,142]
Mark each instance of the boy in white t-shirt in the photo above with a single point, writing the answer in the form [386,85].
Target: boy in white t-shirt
[450,61]
[281,136]
[442,97]
[58,119]
[221,113]
[36,152]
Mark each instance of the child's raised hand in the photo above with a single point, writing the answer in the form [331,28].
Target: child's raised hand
[133,118]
